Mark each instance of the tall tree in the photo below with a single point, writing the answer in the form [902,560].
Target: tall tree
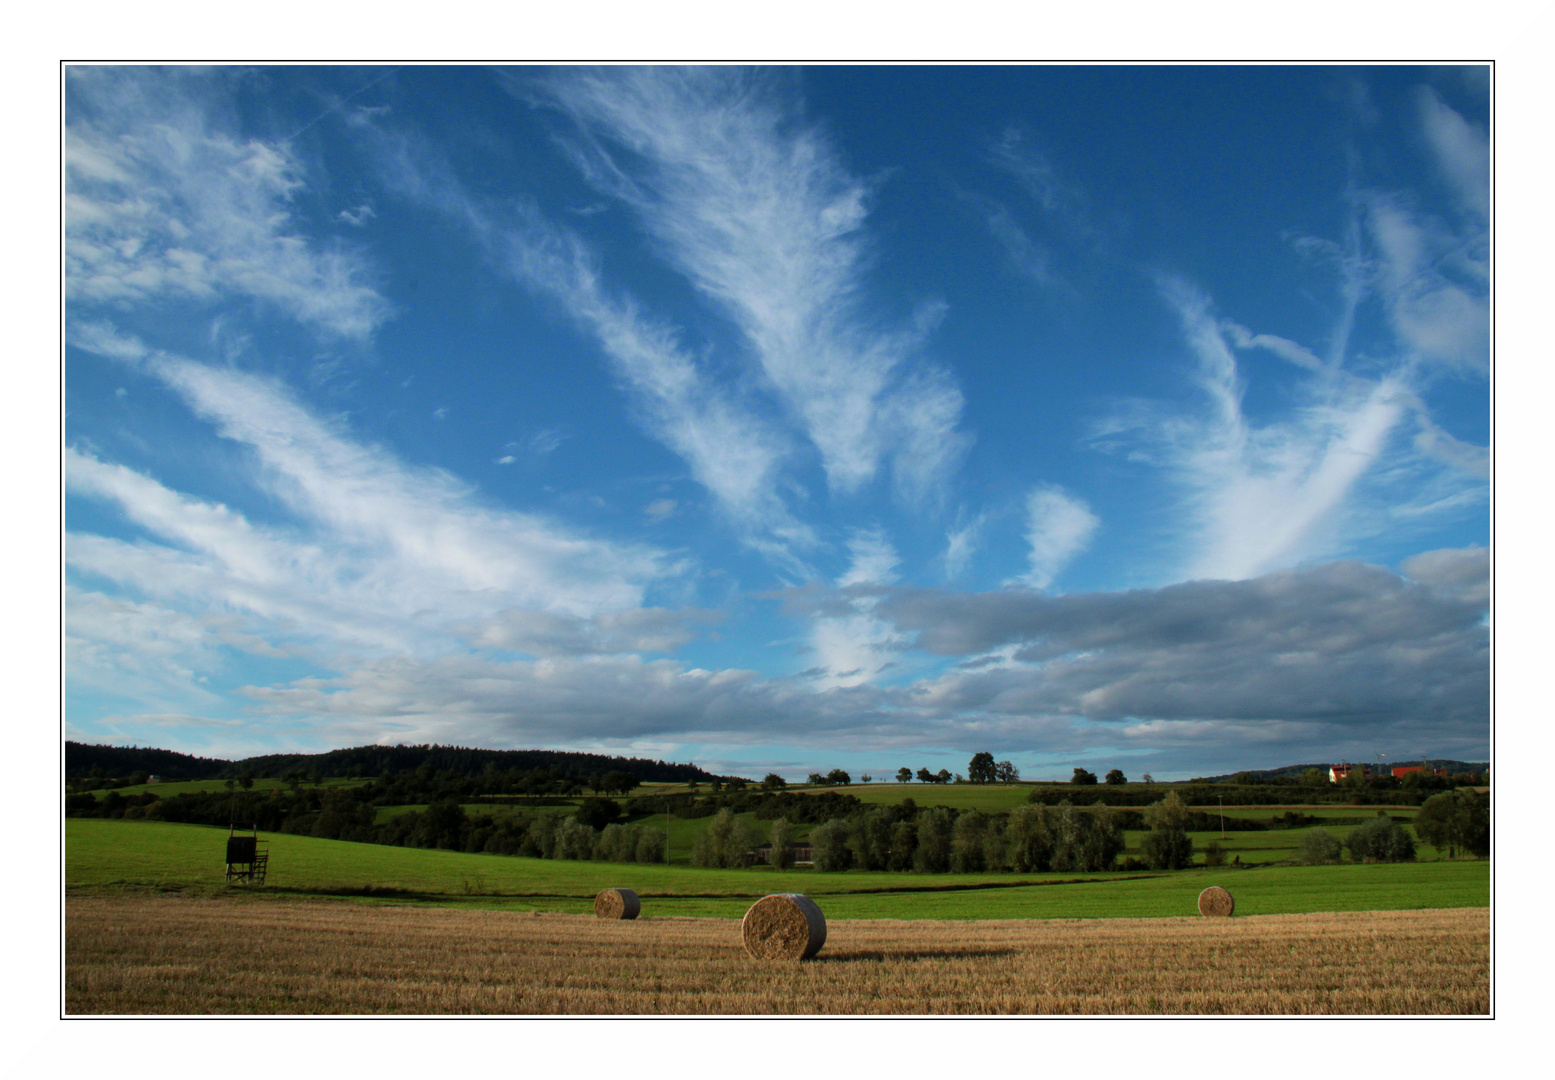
[980,770]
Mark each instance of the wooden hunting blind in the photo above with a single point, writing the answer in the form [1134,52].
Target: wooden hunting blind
[248,857]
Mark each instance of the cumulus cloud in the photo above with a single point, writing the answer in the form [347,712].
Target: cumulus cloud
[1462,573]
[1342,642]
[543,633]
[1309,663]
[755,207]
[166,199]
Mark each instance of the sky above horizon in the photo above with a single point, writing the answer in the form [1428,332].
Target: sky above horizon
[781,419]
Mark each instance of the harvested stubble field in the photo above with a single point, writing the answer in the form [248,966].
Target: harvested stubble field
[188,956]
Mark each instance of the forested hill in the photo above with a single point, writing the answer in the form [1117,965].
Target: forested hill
[466,761]
[1292,771]
[81,759]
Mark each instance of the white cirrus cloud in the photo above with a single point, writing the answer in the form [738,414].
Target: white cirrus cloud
[1264,495]
[166,199]
[1462,152]
[1058,527]
[755,207]
[377,553]
[855,648]
[730,448]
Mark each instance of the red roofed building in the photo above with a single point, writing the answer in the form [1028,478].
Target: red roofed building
[1401,771]
[1339,772]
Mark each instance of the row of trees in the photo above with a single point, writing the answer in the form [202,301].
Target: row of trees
[1038,838]
[1378,840]
[1115,776]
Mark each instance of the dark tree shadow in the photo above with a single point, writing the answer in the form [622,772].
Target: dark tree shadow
[855,956]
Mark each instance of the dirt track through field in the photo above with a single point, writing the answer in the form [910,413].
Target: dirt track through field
[171,955]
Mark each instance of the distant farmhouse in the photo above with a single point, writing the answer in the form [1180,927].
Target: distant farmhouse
[1401,771]
[1338,772]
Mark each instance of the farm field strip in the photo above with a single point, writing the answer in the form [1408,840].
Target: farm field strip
[182,956]
[119,856]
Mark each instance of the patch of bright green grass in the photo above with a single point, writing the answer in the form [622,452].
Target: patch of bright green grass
[989,798]
[108,855]
[182,787]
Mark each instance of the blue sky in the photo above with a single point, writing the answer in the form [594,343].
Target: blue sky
[781,419]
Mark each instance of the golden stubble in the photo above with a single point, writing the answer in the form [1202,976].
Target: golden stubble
[183,956]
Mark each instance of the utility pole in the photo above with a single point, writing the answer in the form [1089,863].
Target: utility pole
[1222,816]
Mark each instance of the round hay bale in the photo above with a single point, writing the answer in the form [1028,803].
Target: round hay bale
[617,904]
[784,926]
[1216,901]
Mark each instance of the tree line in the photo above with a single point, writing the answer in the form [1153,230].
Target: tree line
[85,761]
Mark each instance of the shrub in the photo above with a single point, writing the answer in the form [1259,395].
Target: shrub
[1456,819]
[1214,854]
[1318,848]
[966,842]
[597,813]
[616,843]
[650,846]
[1167,849]
[782,840]
[995,845]
[1103,842]
[829,846]
[1380,840]
[932,853]
[1084,841]
[870,839]
[1029,839]
[904,844]
[726,842]
[574,840]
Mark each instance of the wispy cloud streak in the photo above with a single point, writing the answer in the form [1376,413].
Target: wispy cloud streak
[756,209]
[379,554]
[729,447]
[166,200]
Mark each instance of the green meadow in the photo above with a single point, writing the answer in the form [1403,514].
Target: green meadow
[105,856]
[169,788]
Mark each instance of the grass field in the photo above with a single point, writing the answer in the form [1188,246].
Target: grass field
[170,788]
[138,955]
[110,856]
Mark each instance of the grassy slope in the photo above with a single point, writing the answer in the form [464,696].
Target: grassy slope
[180,787]
[107,855]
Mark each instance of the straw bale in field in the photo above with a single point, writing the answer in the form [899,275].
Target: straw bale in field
[617,904]
[784,926]
[1216,901]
